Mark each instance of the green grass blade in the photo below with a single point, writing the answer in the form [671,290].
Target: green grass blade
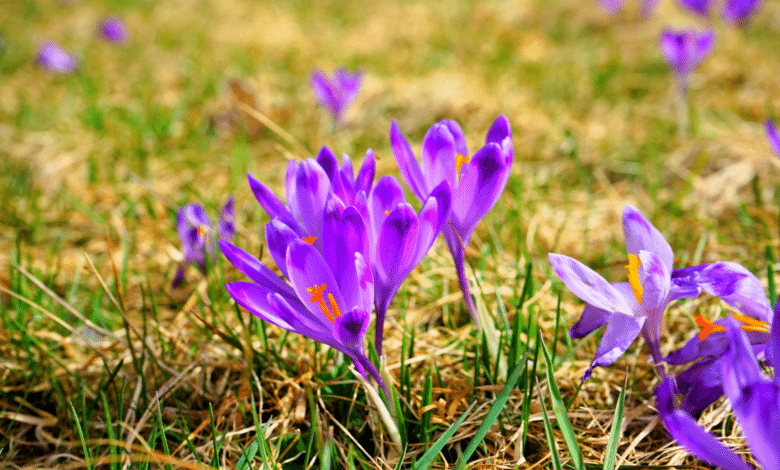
[426,460]
[492,415]
[559,409]
[614,435]
[556,459]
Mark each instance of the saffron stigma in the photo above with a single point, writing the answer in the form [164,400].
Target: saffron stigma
[459,161]
[750,324]
[633,276]
[317,298]
[310,239]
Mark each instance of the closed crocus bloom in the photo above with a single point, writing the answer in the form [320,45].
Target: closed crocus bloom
[112,29]
[476,181]
[335,93]
[685,49]
[754,399]
[627,308]
[52,57]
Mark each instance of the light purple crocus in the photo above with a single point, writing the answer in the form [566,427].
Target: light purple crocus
[754,399]
[771,135]
[476,182]
[336,92]
[112,29]
[738,287]
[739,12]
[614,6]
[684,50]
[700,7]
[627,308]
[392,237]
[198,237]
[52,57]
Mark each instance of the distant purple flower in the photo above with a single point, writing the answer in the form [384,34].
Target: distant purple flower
[771,134]
[391,237]
[737,286]
[476,181]
[336,93]
[613,6]
[740,11]
[198,237]
[754,398]
[52,57]
[700,7]
[627,308]
[685,49]
[113,29]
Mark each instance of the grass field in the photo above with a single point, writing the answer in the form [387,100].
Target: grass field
[104,365]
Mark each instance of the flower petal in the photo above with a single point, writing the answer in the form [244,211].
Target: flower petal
[593,318]
[457,137]
[771,134]
[432,218]
[278,237]
[702,385]
[640,235]
[385,197]
[683,428]
[255,270]
[499,131]
[307,269]
[309,196]
[273,206]
[621,331]
[438,156]
[227,217]
[407,162]
[588,285]
[351,327]
[327,160]
[736,286]
[365,176]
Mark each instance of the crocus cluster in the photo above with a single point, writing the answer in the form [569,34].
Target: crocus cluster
[736,12]
[51,56]
[345,244]
[335,93]
[198,237]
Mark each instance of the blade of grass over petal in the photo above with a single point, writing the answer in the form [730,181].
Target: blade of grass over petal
[559,409]
[492,415]
[427,459]
[614,434]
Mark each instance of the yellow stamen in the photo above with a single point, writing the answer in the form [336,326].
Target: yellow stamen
[387,212]
[633,276]
[459,161]
[317,298]
[310,239]
[202,230]
[750,324]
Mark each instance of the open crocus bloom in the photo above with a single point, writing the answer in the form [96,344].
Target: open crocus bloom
[336,93]
[702,383]
[627,308]
[754,398]
[476,182]
[198,237]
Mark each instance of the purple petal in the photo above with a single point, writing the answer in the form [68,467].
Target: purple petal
[589,285]
[736,286]
[753,397]
[702,385]
[325,94]
[407,162]
[278,238]
[438,156]
[685,49]
[52,57]
[457,137]
[621,331]
[684,285]
[365,176]
[773,351]
[255,270]
[365,282]
[700,7]
[640,235]
[307,269]
[339,248]
[227,217]
[396,245]
[691,436]
[351,327]
[740,11]
[273,206]
[112,29]
[327,160]
[656,282]
[308,196]
[594,317]
[499,131]
[771,134]
[432,218]
[385,196]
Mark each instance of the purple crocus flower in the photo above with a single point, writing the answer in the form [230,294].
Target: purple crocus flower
[684,50]
[700,7]
[754,398]
[336,93]
[476,181]
[738,287]
[771,134]
[198,236]
[739,12]
[627,308]
[392,237]
[52,57]
[112,29]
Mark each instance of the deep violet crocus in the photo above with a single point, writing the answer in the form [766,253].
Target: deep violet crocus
[739,12]
[336,92]
[198,237]
[52,57]
[390,235]
[734,284]
[754,399]
[627,308]
[112,29]
[771,135]
[684,50]
[476,182]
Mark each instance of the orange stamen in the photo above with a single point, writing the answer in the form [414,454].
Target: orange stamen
[750,324]
[459,161]
[633,276]
[707,327]
[310,239]
[202,230]
[387,212]
[317,298]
